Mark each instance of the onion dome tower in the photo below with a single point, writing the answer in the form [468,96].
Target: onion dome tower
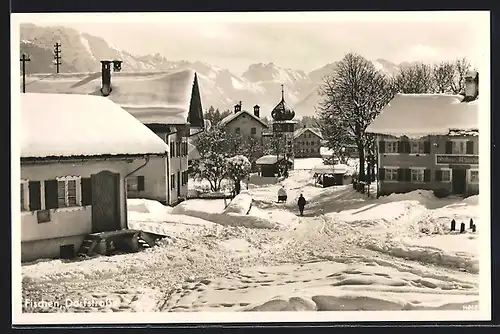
[282,112]
[283,129]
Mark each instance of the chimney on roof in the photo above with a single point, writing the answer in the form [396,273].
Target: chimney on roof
[237,107]
[106,74]
[471,86]
[106,77]
[256,110]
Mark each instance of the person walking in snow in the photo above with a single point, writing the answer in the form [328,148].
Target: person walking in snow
[301,203]
[282,194]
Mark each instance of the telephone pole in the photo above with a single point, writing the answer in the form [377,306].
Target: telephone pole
[57,55]
[24,59]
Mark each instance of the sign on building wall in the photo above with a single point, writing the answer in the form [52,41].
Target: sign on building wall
[447,159]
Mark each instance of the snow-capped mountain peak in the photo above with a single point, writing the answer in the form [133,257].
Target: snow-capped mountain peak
[259,84]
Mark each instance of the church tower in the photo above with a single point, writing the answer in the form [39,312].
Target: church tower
[283,126]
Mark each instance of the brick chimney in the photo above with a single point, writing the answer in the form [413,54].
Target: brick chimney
[256,110]
[237,107]
[471,86]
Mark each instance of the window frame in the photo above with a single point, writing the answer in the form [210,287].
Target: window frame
[394,142]
[449,171]
[454,142]
[421,150]
[391,168]
[420,170]
[469,176]
[78,191]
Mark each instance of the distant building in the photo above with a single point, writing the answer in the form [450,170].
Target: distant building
[307,143]
[244,123]
[76,153]
[269,165]
[429,141]
[169,103]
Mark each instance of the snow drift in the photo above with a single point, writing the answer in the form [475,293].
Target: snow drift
[235,213]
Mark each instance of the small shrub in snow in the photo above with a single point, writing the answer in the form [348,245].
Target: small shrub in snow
[238,168]
[441,193]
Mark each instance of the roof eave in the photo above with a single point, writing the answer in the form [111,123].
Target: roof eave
[71,158]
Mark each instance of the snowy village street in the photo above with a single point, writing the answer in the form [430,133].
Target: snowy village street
[348,252]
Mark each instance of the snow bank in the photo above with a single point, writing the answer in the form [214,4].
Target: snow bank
[213,211]
[241,204]
[453,250]
[153,217]
[404,226]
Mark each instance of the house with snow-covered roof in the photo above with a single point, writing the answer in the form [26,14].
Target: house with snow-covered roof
[168,103]
[307,143]
[76,154]
[429,141]
[244,123]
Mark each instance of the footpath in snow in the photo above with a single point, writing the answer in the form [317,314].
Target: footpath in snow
[347,253]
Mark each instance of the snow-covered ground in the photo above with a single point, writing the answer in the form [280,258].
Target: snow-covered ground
[348,252]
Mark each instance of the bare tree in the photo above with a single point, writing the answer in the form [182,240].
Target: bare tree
[462,66]
[415,79]
[352,97]
[443,75]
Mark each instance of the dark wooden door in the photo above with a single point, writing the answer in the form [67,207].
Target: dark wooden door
[458,180]
[105,202]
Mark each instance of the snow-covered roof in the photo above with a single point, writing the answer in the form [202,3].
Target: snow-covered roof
[269,160]
[152,97]
[331,169]
[229,118]
[301,131]
[65,125]
[417,115]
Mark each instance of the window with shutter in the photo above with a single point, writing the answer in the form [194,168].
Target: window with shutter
[446,175]
[390,174]
[140,183]
[438,175]
[392,146]
[35,201]
[86,191]
[459,147]
[448,147]
[401,174]
[473,176]
[417,174]
[427,147]
[470,147]
[24,195]
[417,147]
[381,174]
[51,194]
[427,175]
[381,146]
[67,191]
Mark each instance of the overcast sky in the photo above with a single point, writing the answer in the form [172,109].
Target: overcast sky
[294,43]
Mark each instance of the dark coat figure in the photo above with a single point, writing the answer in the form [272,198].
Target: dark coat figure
[301,203]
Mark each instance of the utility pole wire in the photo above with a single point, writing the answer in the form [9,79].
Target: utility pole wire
[57,55]
[23,60]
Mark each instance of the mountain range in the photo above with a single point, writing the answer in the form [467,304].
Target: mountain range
[219,87]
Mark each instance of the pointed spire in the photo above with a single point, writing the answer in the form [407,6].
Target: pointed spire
[282,92]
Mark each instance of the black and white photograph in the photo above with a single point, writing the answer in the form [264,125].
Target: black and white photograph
[250,167]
